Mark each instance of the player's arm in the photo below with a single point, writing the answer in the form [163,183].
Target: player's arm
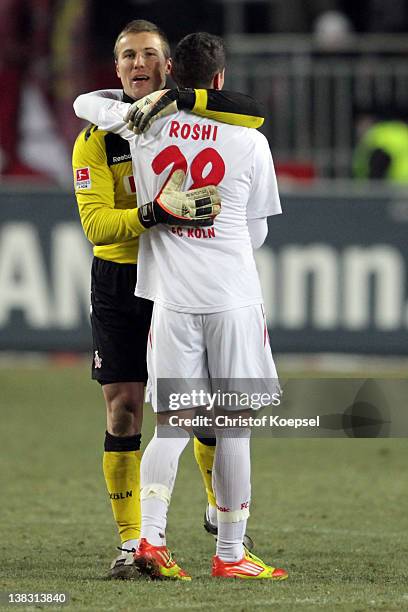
[264,198]
[94,190]
[258,231]
[225,106]
[104,109]
[104,224]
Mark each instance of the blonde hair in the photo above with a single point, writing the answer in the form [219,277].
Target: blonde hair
[141,25]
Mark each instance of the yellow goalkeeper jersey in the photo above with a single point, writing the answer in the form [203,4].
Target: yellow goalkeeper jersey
[104,183]
[106,194]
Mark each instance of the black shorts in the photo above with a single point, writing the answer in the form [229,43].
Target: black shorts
[120,324]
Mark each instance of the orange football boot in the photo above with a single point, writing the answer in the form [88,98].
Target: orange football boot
[158,562]
[249,567]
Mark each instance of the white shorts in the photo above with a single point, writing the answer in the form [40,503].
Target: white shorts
[231,345]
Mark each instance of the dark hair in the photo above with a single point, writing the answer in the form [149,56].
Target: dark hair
[141,25]
[197,58]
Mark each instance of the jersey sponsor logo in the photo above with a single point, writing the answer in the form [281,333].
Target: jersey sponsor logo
[194,232]
[129,184]
[117,159]
[195,131]
[117,151]
[83,178]
[120,495]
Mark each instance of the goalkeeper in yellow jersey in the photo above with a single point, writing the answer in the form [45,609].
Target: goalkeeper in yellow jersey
[105,191]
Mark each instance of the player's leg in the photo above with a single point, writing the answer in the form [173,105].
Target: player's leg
[251,358]
[204,451]
[121,459]
[120,324]
[232,484]
[175,352]
[158,474]
[233,490]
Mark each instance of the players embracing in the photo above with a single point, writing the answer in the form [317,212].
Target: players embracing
[105,192]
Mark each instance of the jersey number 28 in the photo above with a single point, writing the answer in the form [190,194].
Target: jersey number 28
[173,156]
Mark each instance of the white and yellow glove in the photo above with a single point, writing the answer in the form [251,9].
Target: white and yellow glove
[194,208]
[143,112]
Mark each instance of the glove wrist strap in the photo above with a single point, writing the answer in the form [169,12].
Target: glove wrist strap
[146,215]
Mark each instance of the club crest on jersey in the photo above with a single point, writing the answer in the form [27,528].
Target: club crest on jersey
[83,178]
[97,360]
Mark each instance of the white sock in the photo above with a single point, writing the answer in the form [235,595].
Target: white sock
[158,471]
[154,519]
[232,486]
[229,541]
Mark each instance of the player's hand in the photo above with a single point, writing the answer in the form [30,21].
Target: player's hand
[143,112]
[194,208]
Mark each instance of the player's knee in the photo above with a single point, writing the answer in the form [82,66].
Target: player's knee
[125,402]
[124,411]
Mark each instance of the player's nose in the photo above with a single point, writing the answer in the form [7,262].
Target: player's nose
[139,59]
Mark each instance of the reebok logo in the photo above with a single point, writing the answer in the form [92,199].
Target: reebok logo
[116,159]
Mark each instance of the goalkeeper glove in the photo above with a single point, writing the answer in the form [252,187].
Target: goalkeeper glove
[194,208]
[158,104]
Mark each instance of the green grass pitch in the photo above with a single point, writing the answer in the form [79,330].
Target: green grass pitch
[333,512]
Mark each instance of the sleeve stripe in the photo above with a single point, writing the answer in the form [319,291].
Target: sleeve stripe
[237,118]
[201,100]
[234,118]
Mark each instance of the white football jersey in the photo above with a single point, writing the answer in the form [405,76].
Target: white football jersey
[203,270]
[199,270]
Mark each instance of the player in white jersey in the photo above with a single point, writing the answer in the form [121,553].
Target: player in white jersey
[208,319]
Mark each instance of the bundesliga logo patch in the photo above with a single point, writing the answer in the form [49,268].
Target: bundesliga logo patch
[82,178]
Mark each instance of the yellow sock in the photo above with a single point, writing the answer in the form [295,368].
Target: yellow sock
[122,477]
[204,455]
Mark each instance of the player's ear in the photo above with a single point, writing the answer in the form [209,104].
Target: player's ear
[169,65]
[218,80]
[117,69]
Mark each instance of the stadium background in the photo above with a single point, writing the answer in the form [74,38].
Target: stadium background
[334,272]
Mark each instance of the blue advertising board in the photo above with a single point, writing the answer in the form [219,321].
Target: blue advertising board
[333,270]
